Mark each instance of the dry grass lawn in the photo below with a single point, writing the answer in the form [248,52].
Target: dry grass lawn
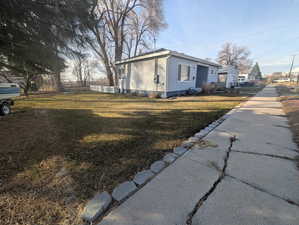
[290,100]
[58,150]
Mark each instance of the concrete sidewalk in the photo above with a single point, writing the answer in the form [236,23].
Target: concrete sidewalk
[253,180]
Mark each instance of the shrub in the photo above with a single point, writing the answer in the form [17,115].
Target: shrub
[209,88]
[154,95]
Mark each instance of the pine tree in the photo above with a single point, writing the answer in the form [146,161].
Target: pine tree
[35,36]
[255,73]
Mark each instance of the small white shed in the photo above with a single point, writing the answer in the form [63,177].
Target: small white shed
[165,72]
[228,76]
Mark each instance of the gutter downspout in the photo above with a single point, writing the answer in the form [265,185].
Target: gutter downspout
[166,76]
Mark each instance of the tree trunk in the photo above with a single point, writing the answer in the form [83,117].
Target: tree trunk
[27,85]
[59,87]
[109,75]
[26,91]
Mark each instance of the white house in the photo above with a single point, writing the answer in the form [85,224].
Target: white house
[228,76]
[165,72]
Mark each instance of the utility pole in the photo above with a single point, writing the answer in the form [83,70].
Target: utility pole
[155,42]
[292,64]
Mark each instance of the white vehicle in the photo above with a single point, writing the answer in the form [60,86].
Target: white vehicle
[243,78]
[282,80]
[7,92]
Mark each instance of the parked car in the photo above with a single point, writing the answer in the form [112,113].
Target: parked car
[7,92]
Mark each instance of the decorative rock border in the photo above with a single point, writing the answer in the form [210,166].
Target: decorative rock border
[170,158]
[123,190]
[97,206]
[142,177]
[179,150]
[158,166]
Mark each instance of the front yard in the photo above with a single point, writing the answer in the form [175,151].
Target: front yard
[290,100]
[58,150]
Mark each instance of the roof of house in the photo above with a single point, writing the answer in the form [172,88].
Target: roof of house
[165,52]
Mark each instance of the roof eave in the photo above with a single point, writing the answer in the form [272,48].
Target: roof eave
[149,56]
[168,53]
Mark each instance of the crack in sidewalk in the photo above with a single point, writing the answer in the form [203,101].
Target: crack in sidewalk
[263,190]
[265,154]
[235,133]
[214,186]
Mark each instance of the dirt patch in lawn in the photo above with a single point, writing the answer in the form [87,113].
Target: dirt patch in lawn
[58,150]
[290,99]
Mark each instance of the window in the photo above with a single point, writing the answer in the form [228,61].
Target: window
[183,72]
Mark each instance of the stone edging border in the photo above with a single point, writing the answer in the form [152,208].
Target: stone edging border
[102,203]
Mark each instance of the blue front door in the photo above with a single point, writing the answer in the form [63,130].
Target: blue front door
[201,76]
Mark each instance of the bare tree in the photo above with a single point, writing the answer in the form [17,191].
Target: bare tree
[135,41]
[82,70]
[119,27]
[234,55]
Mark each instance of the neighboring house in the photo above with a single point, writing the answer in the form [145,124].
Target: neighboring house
[255,74]
[228,76]
[12,78]
[165,72]
[252,77]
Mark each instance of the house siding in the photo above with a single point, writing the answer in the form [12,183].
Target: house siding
[174,85]
[213,77]
[139,75]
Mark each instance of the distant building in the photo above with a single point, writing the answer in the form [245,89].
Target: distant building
[228,76]
[11,77]
[278,74]
[255,73]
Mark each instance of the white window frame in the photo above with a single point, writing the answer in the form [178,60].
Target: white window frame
[179,75]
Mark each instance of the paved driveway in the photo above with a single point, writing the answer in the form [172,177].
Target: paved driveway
[248,181]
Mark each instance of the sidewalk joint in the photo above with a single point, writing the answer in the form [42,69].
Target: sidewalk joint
[263,190]
[285,147]
[264,154]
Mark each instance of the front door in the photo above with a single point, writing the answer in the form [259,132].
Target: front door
[201,76]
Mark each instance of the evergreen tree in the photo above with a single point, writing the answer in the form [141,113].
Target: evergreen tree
[255,73]
[35,36]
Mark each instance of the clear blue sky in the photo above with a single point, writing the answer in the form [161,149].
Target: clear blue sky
[269,28]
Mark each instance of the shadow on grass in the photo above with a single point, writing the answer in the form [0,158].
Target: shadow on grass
[157,101]
[99,151]
[90,150]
